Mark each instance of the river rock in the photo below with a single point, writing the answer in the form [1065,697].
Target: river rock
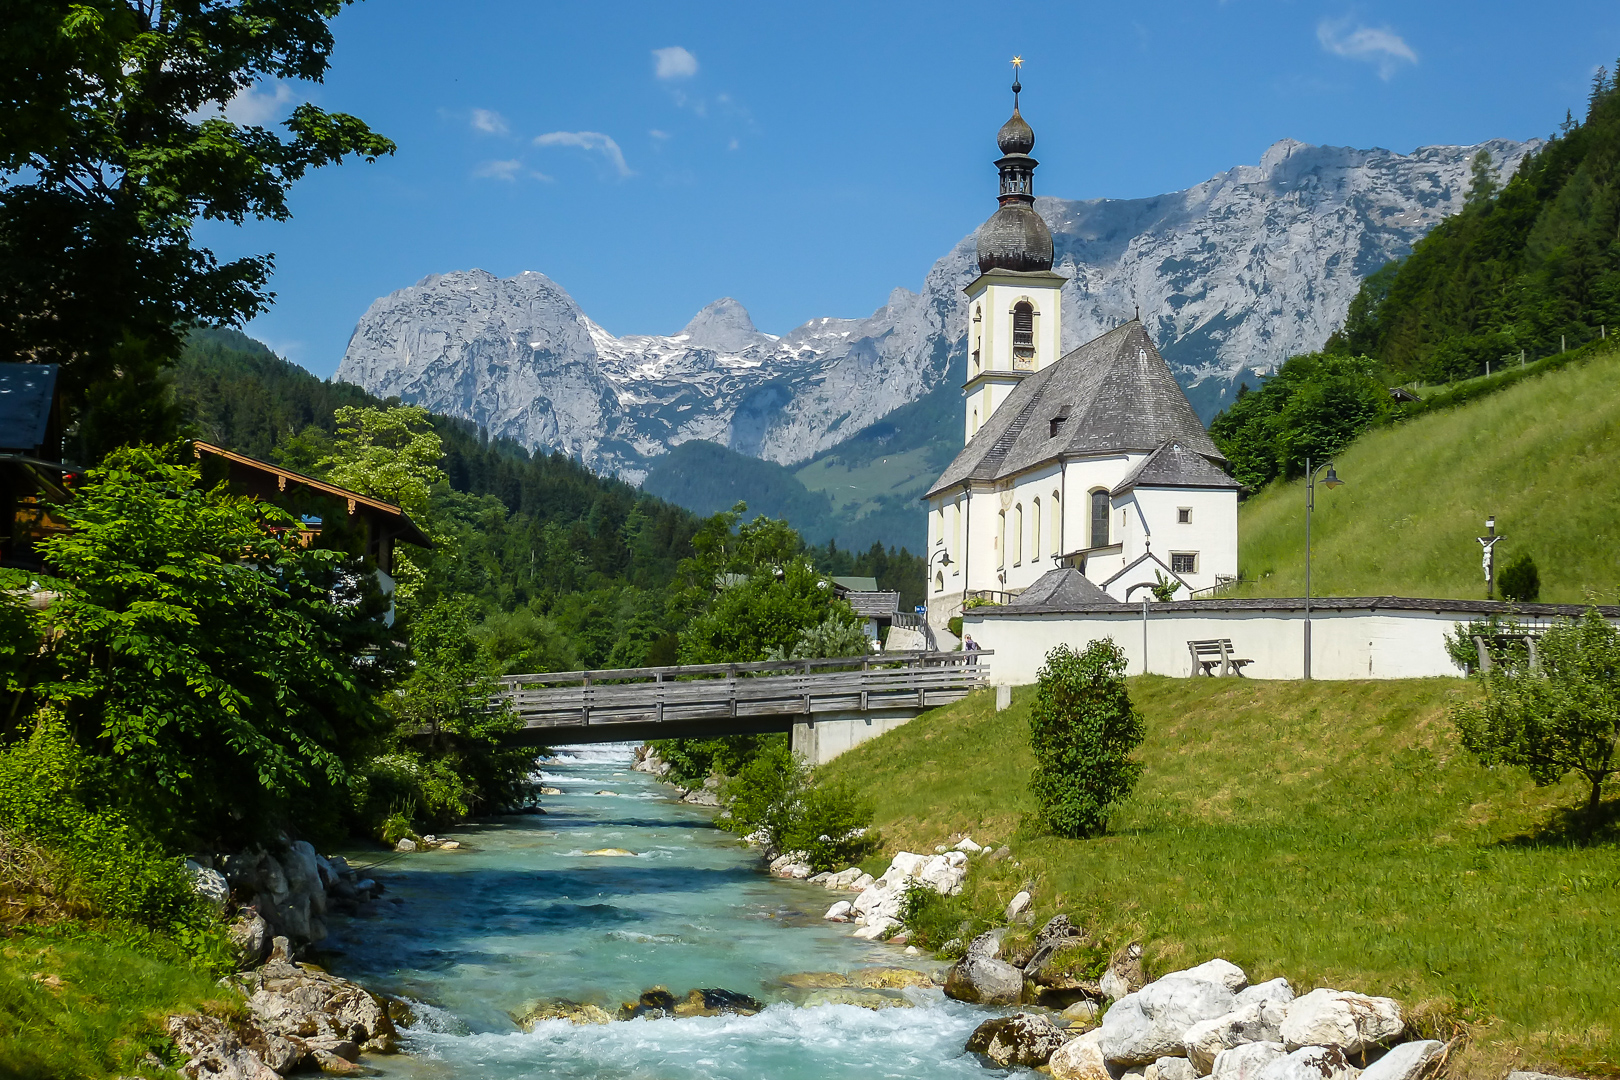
[1149,1024]
[1309,1063]
[815,980]
[530,1013]
[1025,1039]
[889,978]
[844,879]
[839,912]
[405,843]
[1219,971]
[1277,991]
[878,927]
[1405,1062]
[250,936]
[612,853]
[652,1003]
[208,884]
[213,1050]
[980,979]
[1080,1059]
[1018,905]
[1257,1021]
[548,790]
[865,999]
[715,1002]
[1246,1062]
[1338,1018]
[701,797]
[1125,974]
[1082,1014]
[297,1002]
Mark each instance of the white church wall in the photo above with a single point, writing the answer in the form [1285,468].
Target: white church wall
[1367,643]
[1210,534]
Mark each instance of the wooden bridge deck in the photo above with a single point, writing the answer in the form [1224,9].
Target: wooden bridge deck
[705,700]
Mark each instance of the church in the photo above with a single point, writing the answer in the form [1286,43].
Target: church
[1093,461]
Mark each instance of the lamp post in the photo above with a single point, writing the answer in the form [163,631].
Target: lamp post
[1331,480]
[1148,585]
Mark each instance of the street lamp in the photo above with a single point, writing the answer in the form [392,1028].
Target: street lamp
[1148,585]
[1331,480]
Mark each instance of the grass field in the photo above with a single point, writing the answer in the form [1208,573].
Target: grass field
[1333,833]
[1540,455]
[76,1004]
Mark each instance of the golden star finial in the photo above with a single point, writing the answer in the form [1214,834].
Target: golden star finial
[1018,61]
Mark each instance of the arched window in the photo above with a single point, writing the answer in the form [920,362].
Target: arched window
[1099,519]
[939,581]
[1023,330]
[1057,525]
[1035,530]
[1001,541]
[1017,539]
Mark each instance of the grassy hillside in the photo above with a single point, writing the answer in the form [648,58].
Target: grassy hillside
[1541,455]
[1333,833]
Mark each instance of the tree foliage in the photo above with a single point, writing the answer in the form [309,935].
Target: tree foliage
[1520,580]
[221,668]
[1082,730]
[113,142]
[778,793]
[1559,717]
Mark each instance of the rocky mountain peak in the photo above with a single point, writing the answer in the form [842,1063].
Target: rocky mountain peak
[725,327]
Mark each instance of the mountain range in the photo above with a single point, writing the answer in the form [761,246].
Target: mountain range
[1231,276]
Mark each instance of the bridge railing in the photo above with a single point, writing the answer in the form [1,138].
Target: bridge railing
[858,684]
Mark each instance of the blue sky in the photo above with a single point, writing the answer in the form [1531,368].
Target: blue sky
[807,159]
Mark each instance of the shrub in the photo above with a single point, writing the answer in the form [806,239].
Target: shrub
[778,793]
[943,924]
[1520,581]
[1083,728]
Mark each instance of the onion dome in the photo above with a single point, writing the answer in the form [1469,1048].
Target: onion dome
[1015,237]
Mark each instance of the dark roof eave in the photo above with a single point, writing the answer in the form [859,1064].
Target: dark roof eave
[1437,605]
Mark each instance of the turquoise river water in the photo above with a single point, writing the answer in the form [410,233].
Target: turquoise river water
[521,912]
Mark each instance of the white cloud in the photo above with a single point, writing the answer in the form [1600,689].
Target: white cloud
[733,144]
[594,141]
[489,121]
[660,135]
[1376,45]
[499,170]
[255,106]
[674,63]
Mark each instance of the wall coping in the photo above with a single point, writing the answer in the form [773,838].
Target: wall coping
[1282,603]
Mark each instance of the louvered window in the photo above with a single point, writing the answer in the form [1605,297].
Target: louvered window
[1023,330]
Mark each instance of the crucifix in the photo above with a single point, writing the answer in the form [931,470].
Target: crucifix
[1487,543]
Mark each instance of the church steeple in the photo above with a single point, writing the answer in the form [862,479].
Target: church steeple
[1015,237]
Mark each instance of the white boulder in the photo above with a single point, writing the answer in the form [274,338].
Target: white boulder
[1149,1024]
[1405,1062]
[1173,1068]
[1258,1021]
[208,884]
[1018,905]
[405,844]
[1246,1062]
[839,912]
[967,845]
[1310,1063]
[1080,1059]
[1276,990]
[1338,1018]
[1220,971]
[875,928]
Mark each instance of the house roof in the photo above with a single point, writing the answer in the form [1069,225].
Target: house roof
[874,605]
[1174,466]
[1062,587]
[856,584]
[1115,394]
[405,528]
[26,394]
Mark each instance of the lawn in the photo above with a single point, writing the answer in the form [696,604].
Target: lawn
[1330,832]
[1540,455]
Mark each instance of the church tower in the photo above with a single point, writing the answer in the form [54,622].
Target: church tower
[1014,322]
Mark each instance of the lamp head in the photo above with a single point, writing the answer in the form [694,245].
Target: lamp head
[1332,478]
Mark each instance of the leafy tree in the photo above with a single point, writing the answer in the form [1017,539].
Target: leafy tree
[777,792]
[1082,729]
[1558,717]
[224,671]
[1520,580]
[839,634]
[113,142]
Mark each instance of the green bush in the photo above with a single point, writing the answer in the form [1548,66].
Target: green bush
[1520,581]
[778,793]
[943,924]
[1082,729]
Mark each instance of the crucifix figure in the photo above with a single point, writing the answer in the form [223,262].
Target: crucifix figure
[1487,544]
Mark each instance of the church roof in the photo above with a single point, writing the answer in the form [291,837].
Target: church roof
[1174,466]
[1114,393]
[1063,587]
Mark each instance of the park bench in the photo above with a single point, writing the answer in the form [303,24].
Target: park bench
[1215,653]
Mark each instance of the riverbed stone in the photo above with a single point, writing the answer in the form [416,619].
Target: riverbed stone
[214,1050]
[850,995]
[1024,1039]
[652,1003]
[877,928]
[1349,1021]
[295,1001]
[713,1001]
[1310,1063]
[405,843]
[1080,1059]
[1149,1024]
[1246,1062]
[1257,1021]
[530,1013]
[983,980]
[839,912]
[889,978]
[1082,1014]
[815,980]
[250,936]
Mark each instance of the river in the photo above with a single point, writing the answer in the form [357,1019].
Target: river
[521,912]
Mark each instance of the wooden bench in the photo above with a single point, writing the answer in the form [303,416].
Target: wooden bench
[1215,653]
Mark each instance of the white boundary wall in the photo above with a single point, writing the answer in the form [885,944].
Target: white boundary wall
[1363,639]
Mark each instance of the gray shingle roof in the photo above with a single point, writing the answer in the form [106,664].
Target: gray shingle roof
[1173,465]
[874,605]
[1117,393]
[1062,588]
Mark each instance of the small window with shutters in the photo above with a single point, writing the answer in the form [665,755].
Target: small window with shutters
[1023,330]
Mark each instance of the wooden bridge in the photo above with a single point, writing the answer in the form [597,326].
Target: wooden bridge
[829,705]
